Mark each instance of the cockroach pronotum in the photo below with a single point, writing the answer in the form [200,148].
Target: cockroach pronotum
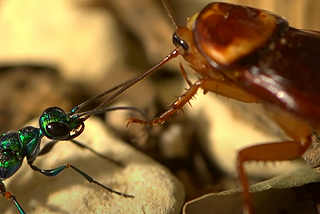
[253,56]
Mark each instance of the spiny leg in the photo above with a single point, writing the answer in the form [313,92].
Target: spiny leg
[225,89]
[173,108]
[57,170]
[279,151]
[8,195]
[298,130]
[48,147]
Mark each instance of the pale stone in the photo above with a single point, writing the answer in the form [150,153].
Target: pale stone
[83,42]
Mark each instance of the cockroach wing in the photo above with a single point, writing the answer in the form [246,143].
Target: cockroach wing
[288,75]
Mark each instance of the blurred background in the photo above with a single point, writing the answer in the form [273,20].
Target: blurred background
[60,53]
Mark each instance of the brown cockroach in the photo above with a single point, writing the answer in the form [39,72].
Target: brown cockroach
[254,56]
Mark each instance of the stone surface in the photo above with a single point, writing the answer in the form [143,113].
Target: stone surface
[155,189]
[287,193]
[84,42]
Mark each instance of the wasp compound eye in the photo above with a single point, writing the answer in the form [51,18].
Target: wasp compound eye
[58,130]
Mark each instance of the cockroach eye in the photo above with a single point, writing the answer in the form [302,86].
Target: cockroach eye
[178,41]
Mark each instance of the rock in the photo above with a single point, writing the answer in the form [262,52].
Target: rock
[287,193]
[84,42]
[155,189]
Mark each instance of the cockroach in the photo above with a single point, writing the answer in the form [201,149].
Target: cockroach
[254,56]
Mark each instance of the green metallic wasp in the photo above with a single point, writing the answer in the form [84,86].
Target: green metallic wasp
[56,125]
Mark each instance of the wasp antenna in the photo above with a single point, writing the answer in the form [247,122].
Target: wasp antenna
[85,103]
[169,11]
[103,110]
[134,81]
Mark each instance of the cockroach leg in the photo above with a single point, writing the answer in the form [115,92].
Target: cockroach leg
[278,151]
[301,136]
[221,88]
[184,75]
[174,107]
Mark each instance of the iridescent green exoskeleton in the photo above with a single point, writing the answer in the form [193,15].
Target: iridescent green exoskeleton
[56,125]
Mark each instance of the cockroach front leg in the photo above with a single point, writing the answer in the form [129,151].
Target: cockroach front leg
[173,108]
[221,88]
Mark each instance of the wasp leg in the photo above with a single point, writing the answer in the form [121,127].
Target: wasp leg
[48,147]
[57,170]
[8,195]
